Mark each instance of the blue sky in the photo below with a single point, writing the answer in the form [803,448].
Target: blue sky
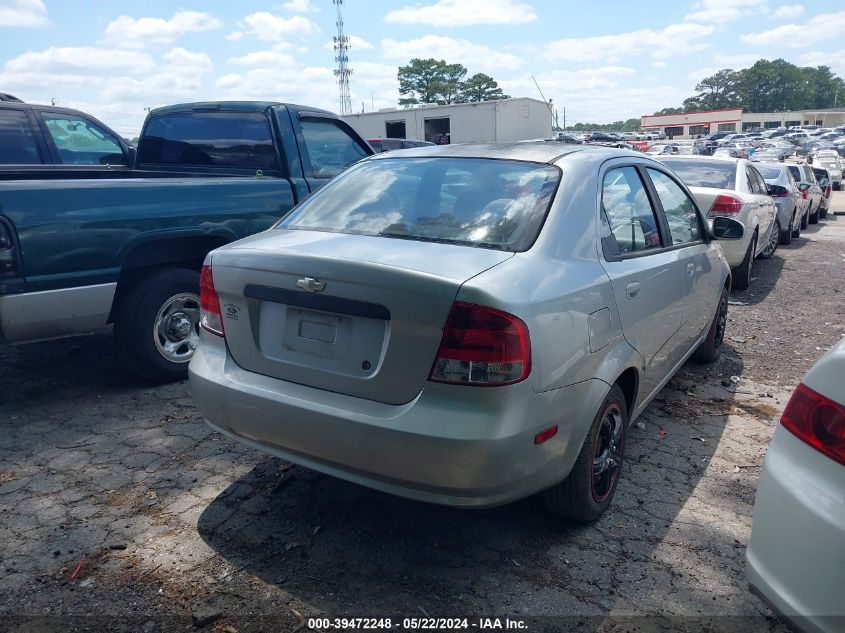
[603,61]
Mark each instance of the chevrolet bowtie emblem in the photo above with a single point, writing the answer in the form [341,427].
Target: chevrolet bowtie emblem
[309,284]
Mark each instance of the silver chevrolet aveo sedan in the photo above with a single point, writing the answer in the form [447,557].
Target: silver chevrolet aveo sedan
[465,325]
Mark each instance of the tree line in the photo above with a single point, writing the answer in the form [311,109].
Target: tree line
[436,81]
[767,86]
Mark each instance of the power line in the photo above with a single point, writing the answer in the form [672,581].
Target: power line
[342,72]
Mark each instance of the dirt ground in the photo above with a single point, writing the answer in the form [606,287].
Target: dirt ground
[121,510]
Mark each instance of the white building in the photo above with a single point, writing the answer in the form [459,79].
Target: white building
[502,121]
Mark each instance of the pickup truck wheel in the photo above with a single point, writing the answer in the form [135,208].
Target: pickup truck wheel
[588,490]
[742,273]
[157,325]
[805,220]
[814,217]
[711,346]
[822,214]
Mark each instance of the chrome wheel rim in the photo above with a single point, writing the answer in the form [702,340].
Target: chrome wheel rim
[176,327]
[772,246]
[608,449]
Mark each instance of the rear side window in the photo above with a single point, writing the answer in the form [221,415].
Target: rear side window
[679,210]
[796,173]
[705,173]
[498,204]
[769,173]
[631,222]
[17,141]
[81,142]
[753,183]
[330,148]
[237,140]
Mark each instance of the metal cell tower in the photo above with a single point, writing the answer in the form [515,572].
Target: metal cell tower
[343,71]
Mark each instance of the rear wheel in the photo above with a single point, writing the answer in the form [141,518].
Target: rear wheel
[157,325]
[742,273]
[822,213]
[786,236]
[588,490]
[814,217]
[711,346]
[805,219]
[772,244]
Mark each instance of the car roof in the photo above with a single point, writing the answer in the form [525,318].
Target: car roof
[535,152]
[718,159]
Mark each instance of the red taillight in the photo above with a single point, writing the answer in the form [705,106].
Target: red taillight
[829,190]
[726,205]
[482,346]
[210,316]
[816,420]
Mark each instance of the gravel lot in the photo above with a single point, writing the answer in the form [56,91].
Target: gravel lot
[121,510]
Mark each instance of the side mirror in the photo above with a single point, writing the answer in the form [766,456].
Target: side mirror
[727,229]
[133,153]
[776,190]
[804,186]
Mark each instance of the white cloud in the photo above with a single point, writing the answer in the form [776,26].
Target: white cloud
[299,6]
[269,27]
[28,13]
[821,27]
[235,36]
[278,56]
[355,43]
[659,44]
[128,32]
[723,11]
[788,12]
[834,59]
[476,56]
[597,95]
[180,78]
[457,13]
[659,64]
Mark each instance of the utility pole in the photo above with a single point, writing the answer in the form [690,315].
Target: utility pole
[342,72]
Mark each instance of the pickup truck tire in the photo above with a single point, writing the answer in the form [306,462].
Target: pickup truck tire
[157,325]
[814,217]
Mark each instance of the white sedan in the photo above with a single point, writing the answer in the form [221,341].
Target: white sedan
[796,556]
[733,188]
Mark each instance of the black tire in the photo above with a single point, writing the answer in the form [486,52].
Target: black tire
[837,186]
[822,214]
[797,232]
[583,495]
[814,217]
[742,273]
[786,236]
[711,346]
[774,240]
[805,220]
[135,324]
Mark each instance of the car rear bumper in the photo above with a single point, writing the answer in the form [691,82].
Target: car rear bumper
[453,445]
[796,555]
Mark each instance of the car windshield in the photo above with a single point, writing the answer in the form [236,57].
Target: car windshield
[705,173]
[485,203]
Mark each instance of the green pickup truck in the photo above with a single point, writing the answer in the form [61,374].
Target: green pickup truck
[95,233]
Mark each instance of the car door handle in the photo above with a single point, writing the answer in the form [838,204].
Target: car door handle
[632,289]
[690,269]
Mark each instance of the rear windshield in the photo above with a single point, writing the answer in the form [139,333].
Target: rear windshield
[237,140]
[705,173]
[768,172]
[486,203]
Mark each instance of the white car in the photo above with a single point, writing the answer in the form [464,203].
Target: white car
[733,188]
[796,555]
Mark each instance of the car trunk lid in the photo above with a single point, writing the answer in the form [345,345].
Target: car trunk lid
[357,315]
